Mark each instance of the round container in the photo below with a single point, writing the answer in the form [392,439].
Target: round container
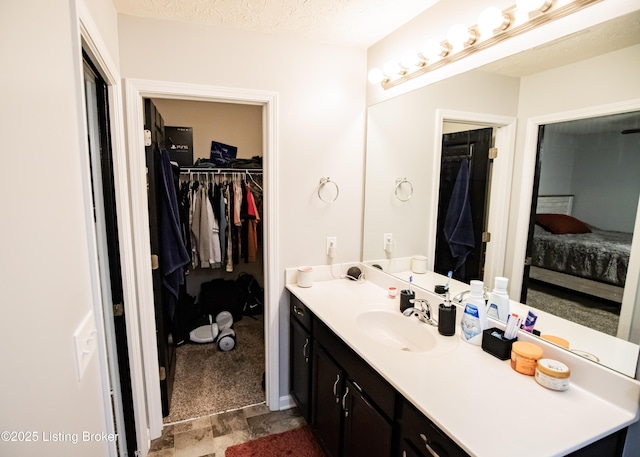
[393,292]
[552,374]
[524,357]
[305,277]
[556,340]
[419,264]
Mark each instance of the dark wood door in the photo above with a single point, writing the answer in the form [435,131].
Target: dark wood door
[327,402]
[154,123]
[532,217]
[108,203]
[366,431]
[461,223]
[300,357]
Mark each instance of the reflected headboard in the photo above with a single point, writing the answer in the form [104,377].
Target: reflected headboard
[554,204]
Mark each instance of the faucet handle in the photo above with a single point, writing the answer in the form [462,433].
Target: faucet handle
[423,304]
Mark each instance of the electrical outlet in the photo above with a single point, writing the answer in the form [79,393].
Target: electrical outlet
[332,245]
[387,242]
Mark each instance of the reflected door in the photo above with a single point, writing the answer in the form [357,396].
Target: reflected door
[462,204]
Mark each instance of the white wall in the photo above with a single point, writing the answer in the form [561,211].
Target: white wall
[600,170]
[400,144]
[320,123]
[45,262]
[228,123]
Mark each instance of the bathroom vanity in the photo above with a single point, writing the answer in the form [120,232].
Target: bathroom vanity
[372,382]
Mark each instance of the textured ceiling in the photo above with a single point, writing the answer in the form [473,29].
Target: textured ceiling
[358,23]
[606,37]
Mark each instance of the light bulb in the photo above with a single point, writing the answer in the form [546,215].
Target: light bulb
[431,50]
[391,69]
[492,19]
[411,59]
[376,76]
[459,36]
[527,6]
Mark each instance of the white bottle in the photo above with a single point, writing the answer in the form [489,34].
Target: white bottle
[498,306]
[474,317]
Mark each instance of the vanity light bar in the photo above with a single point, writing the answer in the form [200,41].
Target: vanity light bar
[546,12]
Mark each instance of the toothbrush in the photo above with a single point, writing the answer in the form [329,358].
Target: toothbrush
[410,281]
[446,286]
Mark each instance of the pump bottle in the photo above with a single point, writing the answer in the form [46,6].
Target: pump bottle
[474,318]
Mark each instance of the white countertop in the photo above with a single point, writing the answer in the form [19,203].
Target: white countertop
[612,352]
[475,398]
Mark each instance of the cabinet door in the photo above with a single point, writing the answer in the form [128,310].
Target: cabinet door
[300,369]
[425,436]
[366,431]
[327,401]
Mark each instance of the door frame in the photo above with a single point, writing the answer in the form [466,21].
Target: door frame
[90,40]
[500,186]
[135,91]
[630,310]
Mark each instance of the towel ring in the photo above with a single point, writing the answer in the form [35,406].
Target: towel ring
[324,181]
[399,183]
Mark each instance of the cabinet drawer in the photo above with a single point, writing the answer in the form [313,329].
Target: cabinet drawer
[366,378]
[425,436]
[300,312]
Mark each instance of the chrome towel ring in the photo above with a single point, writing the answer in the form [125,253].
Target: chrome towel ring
[399,183]
[323,182]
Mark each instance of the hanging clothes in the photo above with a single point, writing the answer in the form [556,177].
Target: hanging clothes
[253,217]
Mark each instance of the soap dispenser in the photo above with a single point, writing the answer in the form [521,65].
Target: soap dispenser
[474,318]
[447,317]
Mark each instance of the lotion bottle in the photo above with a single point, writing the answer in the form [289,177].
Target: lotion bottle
[474,318]
[498,306]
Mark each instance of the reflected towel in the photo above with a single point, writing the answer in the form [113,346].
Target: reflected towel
[458,225]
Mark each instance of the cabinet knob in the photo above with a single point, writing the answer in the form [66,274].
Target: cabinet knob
[427,444]
[305,350]
[335,388]
[298,311]
[344,402]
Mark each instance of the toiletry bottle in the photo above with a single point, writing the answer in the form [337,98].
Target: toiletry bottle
[498,306]
[474,318]
[447,317]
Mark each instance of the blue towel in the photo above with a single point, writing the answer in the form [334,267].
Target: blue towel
[173,254]
[458,225]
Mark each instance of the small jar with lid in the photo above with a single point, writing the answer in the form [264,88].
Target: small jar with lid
[524,357]
[552,374]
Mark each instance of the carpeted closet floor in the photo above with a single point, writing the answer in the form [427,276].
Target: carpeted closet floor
[592,312]
[210,381]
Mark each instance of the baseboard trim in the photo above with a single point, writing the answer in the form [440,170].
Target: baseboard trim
[286,402]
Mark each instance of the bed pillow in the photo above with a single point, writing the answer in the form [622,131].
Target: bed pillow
[561,224]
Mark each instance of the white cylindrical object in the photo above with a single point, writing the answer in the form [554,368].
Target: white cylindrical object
[305,276]
[419,264]
[474,318]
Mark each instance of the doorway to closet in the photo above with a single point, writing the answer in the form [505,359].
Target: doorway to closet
[210,324]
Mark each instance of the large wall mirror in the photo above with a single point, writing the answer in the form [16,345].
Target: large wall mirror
[565,120]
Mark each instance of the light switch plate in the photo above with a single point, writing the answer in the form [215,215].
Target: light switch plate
[85,342]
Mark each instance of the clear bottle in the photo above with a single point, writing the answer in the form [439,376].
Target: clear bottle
[474,318]
[498,306]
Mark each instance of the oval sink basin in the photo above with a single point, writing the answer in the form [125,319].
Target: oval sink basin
[408,334]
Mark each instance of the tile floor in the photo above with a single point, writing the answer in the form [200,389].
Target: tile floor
[210,436]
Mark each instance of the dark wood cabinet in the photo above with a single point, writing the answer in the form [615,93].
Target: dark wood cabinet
[300,351]
[328,394]
[354,412]
[421,438]
[366,431]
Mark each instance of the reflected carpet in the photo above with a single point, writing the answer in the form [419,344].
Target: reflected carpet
[297,443]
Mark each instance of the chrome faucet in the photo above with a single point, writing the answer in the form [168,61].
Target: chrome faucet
[422,309]
[460,297]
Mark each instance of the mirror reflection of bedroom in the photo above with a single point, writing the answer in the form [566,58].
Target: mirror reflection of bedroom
[584,209]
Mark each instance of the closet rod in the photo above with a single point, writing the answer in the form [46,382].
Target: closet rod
[220,170]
